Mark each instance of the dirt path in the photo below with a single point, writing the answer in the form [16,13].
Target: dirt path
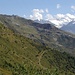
[40,57]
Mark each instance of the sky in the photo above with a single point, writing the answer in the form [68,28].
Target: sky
[39,9]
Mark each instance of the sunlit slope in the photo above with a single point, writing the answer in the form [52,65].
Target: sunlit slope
[22,56]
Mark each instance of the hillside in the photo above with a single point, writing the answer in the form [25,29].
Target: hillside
[45,34]
[22,56]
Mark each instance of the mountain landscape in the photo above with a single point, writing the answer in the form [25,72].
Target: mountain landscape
[70,27]
[31,48]
[45,34]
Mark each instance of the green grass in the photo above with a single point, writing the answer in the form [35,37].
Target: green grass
[22,56]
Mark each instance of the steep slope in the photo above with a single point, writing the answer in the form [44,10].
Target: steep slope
[70,27]
[45,34]
[22,56]
[15,51]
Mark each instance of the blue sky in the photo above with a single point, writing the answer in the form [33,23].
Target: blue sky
[56,11]
[21,7]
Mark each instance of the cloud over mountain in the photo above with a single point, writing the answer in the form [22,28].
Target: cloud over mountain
[37,14]
[58,19]
[46,10]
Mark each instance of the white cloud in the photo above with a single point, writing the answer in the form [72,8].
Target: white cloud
[24,16]
[37,14]
[46,10]
[60,19]
[49,17]
[55,19]
[57,23]
[58,6]
[73,7]
[60,16]
[70,16]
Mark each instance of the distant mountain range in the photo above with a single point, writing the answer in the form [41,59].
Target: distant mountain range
[70,27]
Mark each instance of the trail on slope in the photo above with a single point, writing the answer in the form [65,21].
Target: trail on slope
[40,57]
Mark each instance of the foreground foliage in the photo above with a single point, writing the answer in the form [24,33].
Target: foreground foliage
[22,56]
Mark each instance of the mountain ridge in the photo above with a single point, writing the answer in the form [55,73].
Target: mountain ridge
[45,34]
